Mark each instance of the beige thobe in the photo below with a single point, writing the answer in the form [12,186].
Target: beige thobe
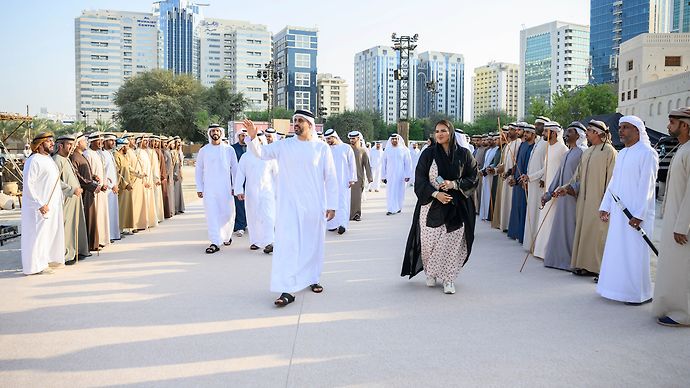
[672,287]
[591,179]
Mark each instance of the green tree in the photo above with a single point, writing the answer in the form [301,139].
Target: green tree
[537,107]
[160,101]
[347,121]
[576,104]
[488,122]
[103,125]
[278,113]
[221,102]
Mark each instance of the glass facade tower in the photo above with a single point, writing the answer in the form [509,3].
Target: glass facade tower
[178,22]
[612,22]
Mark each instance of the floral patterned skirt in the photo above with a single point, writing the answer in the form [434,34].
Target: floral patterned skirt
[443,253]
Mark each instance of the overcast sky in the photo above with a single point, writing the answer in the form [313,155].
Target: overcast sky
[37,37]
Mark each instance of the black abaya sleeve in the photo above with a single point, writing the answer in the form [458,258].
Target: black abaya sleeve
[412,260]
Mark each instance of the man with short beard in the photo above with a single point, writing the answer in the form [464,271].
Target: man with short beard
[96,162]
[672,289]
[113,184]
[124,198]
[42,240]
[216,165]
[307,197]
[346,171]
[76,239]
[90,187]
[362,166]
[625,269]
[139,186]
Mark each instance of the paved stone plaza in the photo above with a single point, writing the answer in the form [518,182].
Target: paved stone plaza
[155,310]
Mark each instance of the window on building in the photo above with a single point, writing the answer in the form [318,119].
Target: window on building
[302,41]
[623,96]
[302,100]
[302,79]
[630,65]
[629,94]
[635,93]
[672,61]
[302,60]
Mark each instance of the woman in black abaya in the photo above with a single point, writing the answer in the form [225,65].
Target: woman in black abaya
[442,232]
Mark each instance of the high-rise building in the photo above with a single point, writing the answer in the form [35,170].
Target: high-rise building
[654,77]
[178,22]
[110,47]
[375,88]
[612,22]
[235,50]
[552,55]
[294,54]
[495,88]
[445,95]
[332,92]
[680,16]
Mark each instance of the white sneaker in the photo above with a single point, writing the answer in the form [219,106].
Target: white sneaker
[430,281]
[239,233]
[448,288]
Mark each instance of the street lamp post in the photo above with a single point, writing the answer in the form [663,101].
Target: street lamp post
[269,75]
[405,45]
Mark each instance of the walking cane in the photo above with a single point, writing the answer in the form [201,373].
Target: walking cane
[534,239]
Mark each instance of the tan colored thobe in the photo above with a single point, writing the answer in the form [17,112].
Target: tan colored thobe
[590,182]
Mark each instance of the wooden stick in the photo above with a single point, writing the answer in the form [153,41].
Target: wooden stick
[536,234]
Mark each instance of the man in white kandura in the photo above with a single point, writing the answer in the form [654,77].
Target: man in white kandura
[259,196]
[345,169]
[396,171]
[112,179]
[487,176]
[307,198]
[43,229]
[625,271]
[376,159]
[555,152]
[216,163]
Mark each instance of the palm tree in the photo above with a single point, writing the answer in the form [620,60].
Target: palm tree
[103,125]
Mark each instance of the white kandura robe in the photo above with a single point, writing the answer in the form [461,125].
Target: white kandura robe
[625,273]
[375,159]
[215,166]
[97,165]
[556,153]
[509,159]
[346,170]
[414,159]
[113,180]
[306,189]
[43,236]
[396,166]
[256,179]
[487,184]
[535,170]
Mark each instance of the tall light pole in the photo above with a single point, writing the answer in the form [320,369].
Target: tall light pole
[269,75]
[405,45]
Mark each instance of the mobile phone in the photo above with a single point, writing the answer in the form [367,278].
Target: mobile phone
[440,180]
